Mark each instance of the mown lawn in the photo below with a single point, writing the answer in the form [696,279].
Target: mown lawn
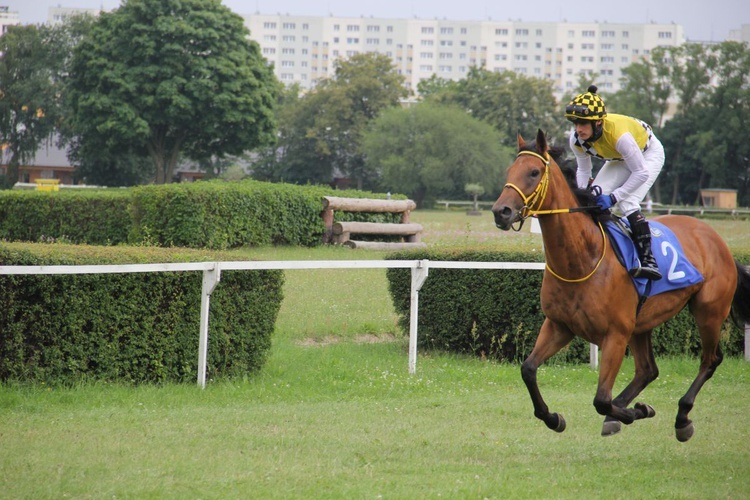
[334,414]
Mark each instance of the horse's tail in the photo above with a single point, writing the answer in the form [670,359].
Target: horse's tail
[741,302]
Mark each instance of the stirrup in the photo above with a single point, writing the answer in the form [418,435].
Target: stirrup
[649,273]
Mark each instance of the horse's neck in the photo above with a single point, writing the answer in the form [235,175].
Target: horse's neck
[572,241]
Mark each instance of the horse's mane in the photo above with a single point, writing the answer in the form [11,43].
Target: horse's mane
[568,166]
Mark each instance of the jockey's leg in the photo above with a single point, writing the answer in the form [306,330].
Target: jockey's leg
[642,239]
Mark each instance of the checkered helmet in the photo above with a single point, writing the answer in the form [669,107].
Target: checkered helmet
[588,106]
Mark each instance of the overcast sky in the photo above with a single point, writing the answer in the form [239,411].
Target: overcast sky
[702,20]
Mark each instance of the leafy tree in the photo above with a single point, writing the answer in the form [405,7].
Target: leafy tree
[432,85]
[165,78]
[725,158]
[320,133]
[706,139]
[28,96]
[430,151]
[508,101]
[475,191]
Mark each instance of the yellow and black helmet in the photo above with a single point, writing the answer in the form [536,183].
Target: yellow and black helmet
[588,106]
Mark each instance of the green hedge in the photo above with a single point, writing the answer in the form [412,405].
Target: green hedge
[130,327]
[497,314]
[215,215]
[96,217]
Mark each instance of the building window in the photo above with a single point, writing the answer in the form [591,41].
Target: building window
[501,31]
[426,30]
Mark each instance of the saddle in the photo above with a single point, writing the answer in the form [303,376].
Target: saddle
[677,271]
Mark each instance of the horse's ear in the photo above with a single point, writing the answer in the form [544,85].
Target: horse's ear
[541,142]
[521,142]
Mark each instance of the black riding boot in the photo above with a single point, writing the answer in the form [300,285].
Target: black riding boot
[642,238]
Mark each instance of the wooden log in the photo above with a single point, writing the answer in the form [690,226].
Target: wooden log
[367,205]
[328,222]
[376,228]
[380,245]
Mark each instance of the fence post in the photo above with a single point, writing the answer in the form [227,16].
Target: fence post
[593,356]
[210,278]
[418,276]
[747,341]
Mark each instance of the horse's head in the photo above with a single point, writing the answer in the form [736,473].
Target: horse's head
[528,180]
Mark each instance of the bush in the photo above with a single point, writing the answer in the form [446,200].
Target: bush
[129,327]
[216,215]
[95,217]
[497,314]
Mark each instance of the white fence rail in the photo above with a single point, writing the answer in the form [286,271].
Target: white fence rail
[212,276]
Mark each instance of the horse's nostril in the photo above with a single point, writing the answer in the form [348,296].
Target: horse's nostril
[506,211]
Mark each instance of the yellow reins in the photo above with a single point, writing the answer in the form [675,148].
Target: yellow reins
[536,198]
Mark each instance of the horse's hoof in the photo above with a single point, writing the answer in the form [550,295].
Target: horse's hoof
[685,433]
[560,423]
[647,410]
[611,427]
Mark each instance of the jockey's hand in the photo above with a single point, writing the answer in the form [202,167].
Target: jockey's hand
[605,201]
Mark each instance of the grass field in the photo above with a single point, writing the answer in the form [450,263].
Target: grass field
[334,414]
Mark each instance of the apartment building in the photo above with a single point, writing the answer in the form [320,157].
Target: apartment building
[303,49]
[7,18]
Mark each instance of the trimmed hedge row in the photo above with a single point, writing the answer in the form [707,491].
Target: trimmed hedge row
[96,217]
[130,327]
[497,314]
[215,215]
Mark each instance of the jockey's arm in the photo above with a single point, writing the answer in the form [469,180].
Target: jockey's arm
[633,158]
[584,165]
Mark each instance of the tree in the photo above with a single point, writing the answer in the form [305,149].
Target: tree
[475,191]
[320,133]
[508,101]
[430,151]
[165,78]
[28,97]
[706,139]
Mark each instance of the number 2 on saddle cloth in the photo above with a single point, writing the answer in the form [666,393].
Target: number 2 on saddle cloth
[676,270]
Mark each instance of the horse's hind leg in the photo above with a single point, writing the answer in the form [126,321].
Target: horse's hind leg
[709,327]
[646,372]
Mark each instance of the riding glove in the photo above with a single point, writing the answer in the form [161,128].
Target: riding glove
[605,201]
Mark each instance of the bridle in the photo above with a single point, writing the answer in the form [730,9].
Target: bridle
[534,201]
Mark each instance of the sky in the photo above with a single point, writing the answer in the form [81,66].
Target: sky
[701,19]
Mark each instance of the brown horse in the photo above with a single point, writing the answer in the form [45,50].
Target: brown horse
[588,293]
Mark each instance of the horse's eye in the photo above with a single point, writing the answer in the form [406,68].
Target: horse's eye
[535,173]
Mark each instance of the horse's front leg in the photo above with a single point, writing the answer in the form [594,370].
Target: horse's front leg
[646,372]
[613,352]
[551,339]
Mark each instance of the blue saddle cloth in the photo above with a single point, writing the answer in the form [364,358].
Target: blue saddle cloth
[677,272]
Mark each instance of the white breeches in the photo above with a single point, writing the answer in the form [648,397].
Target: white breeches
[613,174]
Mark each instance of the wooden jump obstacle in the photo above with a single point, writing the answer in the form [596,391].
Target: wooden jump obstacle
[340,232]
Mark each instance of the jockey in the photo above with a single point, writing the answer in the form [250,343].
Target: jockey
[633,158]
